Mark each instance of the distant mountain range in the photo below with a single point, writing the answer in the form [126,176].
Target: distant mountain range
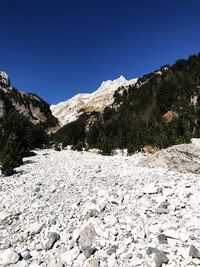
[71,109]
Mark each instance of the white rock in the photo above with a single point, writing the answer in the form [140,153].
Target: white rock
[111,261]
[69,256]
[34,228]
[4,216]
[172,234]
[150,189]
[22,263]
[9,256]
[34,264]
[110,220]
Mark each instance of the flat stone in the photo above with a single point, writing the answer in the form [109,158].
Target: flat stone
[172,234]
[150,189]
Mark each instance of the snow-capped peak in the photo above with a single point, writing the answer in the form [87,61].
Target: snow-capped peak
[71,109]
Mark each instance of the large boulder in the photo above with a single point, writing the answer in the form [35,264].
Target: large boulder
[183,158]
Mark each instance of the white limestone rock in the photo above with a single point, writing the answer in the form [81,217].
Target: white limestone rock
[9,256]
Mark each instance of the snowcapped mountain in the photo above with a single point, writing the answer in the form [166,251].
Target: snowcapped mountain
[71,109]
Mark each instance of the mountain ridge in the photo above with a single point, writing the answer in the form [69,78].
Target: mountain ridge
[31,106]
[70,110]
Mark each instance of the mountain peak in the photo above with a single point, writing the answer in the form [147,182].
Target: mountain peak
[71,109]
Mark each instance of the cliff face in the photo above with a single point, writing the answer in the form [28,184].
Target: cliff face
[29,105]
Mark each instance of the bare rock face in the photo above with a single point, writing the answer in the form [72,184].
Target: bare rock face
[4,79]
[182,158]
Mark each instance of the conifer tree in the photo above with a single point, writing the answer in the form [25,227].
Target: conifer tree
[11,156]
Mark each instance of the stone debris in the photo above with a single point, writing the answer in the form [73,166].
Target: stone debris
[123,215]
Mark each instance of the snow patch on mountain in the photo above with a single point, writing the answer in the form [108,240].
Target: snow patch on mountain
[71,109]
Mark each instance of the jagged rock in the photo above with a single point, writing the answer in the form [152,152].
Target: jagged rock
[52,238]
[9,256]
[162,239]
[151,250]
[160,258]
[194,252]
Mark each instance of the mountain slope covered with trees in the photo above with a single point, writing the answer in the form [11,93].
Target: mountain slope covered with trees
[25,120]
[161,109]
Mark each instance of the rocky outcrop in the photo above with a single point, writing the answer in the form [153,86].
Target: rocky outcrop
[29,105]
[4,79]
[183,158]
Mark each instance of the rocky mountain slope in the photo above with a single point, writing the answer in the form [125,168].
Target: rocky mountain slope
[71,109]
[85,210]
[29,105]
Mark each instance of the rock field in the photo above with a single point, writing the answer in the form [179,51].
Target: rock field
[85,210]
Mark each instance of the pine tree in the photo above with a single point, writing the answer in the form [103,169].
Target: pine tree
[11,156]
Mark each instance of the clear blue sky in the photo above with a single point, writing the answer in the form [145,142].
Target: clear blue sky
[59,48]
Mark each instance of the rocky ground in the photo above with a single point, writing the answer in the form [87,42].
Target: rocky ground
[81,209]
